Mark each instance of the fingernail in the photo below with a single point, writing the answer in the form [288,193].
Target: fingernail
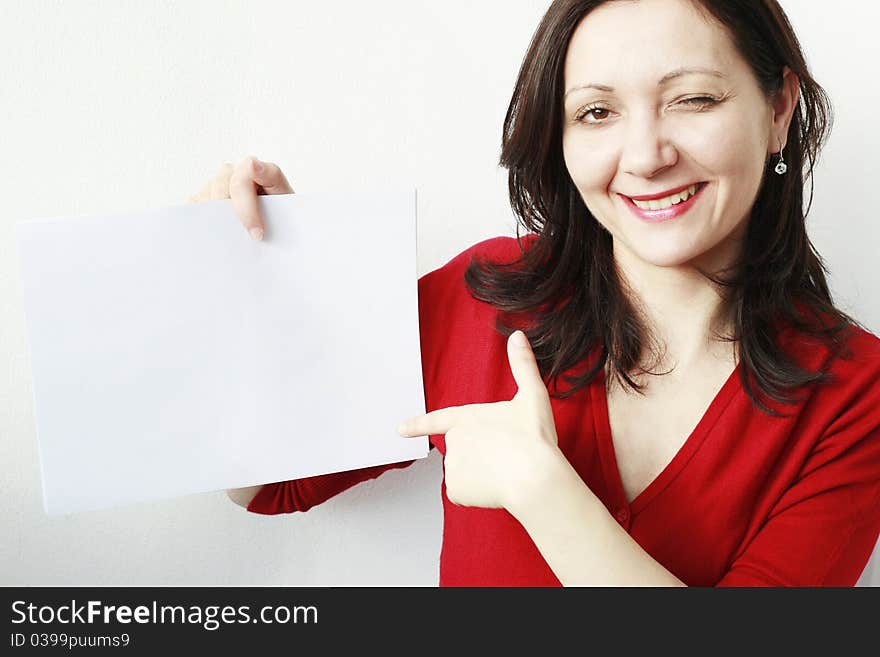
[258,167]
[256,233]
[519,339]
[401,428]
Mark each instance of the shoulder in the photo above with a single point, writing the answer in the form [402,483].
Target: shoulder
[861,348]
[502,248]
[463,353]
[499,249]
[846,404]
[851,398]
[855,367]
[858,372]
[861,361]
[865,345]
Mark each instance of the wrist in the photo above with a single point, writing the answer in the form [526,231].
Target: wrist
[543,465]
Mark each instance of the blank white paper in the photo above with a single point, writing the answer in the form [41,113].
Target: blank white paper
[172,354]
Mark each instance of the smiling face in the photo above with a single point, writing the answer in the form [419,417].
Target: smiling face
[653,128]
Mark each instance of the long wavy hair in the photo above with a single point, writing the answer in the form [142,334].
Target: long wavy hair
[564,291]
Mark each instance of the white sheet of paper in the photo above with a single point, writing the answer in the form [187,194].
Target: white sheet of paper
[172,354]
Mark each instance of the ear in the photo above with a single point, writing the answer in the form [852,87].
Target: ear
[783,106]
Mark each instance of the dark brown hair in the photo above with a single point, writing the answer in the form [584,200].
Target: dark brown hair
[564,291]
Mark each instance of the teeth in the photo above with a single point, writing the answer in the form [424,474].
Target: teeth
[662,203]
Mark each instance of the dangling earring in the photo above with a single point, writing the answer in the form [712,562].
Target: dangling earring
[781,166]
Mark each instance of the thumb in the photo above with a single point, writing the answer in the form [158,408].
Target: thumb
[524,367]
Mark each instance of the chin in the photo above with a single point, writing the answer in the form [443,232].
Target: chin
[671,257]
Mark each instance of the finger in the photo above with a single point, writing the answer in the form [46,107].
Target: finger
[219,188]
[524,366]
[243,191]
[270,178]
[250,179]
[220,183]
[435,422]
[221,180]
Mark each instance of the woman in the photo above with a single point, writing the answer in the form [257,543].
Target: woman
[720,422]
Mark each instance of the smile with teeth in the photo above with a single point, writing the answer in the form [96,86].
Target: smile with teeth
[662,203]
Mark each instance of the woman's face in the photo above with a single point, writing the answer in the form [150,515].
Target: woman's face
[646,131]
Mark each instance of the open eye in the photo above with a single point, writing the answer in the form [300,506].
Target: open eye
[597,112]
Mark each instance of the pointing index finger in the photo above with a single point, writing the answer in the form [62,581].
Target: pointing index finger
[435,422]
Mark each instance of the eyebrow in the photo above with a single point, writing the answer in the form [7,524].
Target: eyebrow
[677,73]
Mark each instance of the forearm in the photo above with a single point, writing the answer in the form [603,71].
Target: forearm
[581,542]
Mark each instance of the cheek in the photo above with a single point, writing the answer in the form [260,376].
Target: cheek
[733,148]
[590,166]
[729,148]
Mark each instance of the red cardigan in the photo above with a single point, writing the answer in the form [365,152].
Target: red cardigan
[748,500]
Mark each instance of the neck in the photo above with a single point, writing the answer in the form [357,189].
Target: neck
[680,308]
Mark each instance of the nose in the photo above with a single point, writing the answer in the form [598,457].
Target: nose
[647,151]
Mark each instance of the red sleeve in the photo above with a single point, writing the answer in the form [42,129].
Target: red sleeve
[824,527]
[303,494]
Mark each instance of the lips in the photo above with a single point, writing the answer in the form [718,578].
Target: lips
[668,192]
[664,214]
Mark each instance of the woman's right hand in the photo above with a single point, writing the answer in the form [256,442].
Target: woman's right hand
[243,183]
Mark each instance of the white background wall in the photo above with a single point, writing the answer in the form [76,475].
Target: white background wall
[126,105]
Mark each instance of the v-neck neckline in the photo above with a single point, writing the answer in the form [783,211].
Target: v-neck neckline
[611,472]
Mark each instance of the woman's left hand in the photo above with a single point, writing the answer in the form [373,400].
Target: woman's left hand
[495,451]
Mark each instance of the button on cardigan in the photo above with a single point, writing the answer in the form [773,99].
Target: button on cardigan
[748,500]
